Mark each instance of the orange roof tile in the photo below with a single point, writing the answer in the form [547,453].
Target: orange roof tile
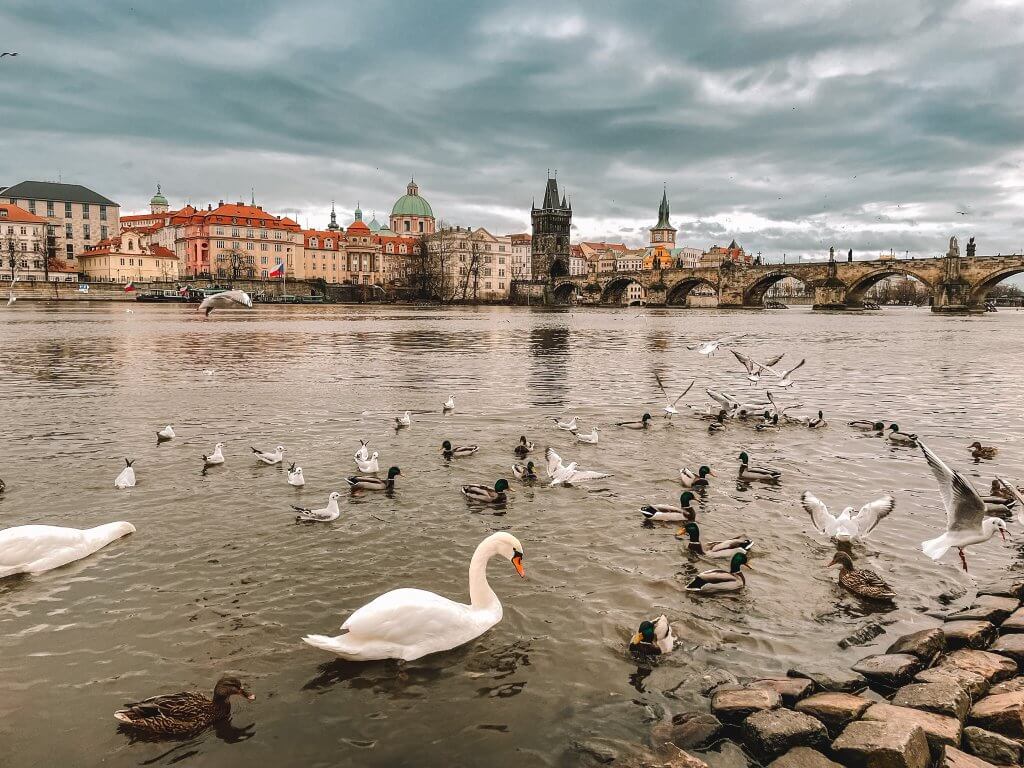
[12,212]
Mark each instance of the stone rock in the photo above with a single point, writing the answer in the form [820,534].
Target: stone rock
[714,678]
[941,698]
[803,757]
[988,608]
[1015,622]
[1008,686]
[954,758]
[792,689]
[873,744]
[992,747]
[1002,713]
[888,669]
[938,729]
[688,730]
[595,751]
[974,684]
[734,706]
[863,635]
[835,710]
[1010,645]
[969,634]
[926,644]
[838,680]
[1009,586]
[991,666]
[672,758]
[772,732]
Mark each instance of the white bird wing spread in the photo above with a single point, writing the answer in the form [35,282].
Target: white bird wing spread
[554,461]
[964,507]
[26,544]
[774,361]
[726,401]
[1017,495]
[872,513]
[798,365]
[581,476]
[407,616]
[747,362]
[823,520]
[684,393]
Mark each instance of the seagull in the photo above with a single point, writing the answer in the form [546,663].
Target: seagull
[784,376]
[165,434]
[209,371]
[225,300]
[561,474]
[404,420]
[449,404]
[670,407]
[848,525]
[362,454]
[370,464]
[129,311]
[1012,489]
[270,458]
[217,457]
[592,438]
[710,347]
[295,476]
[754,368]
[127,477]
[966,522]
[568,426]
[8,53]
[325,515]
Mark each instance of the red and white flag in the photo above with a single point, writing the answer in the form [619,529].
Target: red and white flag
[129,287]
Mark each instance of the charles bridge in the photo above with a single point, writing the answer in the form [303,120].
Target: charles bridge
[955,283]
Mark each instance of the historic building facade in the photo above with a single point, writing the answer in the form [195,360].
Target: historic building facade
[550,243]
[25,248]
[663,239]
[129,257]
[411,215]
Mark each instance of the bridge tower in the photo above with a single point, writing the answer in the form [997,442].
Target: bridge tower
[953,294]
[551,223]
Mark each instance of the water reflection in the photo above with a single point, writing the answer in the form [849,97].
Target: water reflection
[549,366]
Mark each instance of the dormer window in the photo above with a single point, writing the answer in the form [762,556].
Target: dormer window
[328,243]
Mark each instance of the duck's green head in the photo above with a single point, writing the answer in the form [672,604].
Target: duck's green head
[646,417]
[691,530]
[645,634]
[879,425]
[393,473]
[766,417]
[704,471]
[894,427]
[740,558]
[744,459]
[821,415]
[685,499]
[447,445]
[529,466]
[501,486]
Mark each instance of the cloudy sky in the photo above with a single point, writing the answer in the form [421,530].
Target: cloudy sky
[790,126]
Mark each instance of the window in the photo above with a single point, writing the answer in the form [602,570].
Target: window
[31,206]
[68,233]
[70,250]
[249,233]
[501,249]
[103,213]
[263,246]
[131,245]
[24,245]
[49,207]
[85,210]
[24,231]
[67,210]
[277,234]
[313,242]
[219,231]
[122,262]
[263,260]
[250,246]
[408,226]
[131,262]
[234,231]
[501,285]
[487,285]
[277,247]
[401,248]
[501,273]
[263,233]
[85,231]
[328,243]
[391,248]
[263,274]
[103,232]
[501,259]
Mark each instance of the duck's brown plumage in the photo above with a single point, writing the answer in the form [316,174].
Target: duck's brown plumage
[861,582]
[185,712]
[980,451]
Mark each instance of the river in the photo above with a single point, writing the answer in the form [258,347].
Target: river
[218,578]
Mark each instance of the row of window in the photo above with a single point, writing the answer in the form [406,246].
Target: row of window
[86,210]
[236,232]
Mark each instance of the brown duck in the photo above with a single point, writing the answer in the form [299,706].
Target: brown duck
[862,583]
[185,712]
[980,451]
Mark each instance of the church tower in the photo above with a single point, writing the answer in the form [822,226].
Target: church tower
[663,233]
[551,224]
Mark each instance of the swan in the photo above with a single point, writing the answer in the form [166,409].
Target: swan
[408,624]
[38,548]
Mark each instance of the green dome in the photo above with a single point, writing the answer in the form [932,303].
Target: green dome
[411,204]
[158,198]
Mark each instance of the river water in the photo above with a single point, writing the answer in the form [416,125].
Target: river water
[219,579]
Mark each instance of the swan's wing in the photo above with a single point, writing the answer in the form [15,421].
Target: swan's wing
[871,513]
[406,616]
[684,393]
[964,507]
[26,544]
[823,520]
[554,461]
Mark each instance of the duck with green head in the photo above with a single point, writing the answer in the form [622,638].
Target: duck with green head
[642,424]
[718,580]
[486,495]
[524,472]
[370,483]
[671,512]
[653,638]
[458,451]
[866,425]
[900,438]
[698,480]
[715,549]
[757,474]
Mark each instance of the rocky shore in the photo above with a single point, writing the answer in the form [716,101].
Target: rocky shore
[947,697]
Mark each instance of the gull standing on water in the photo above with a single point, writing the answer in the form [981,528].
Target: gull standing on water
[966,522]
[363,454]
[847,526]
[127,477]
[217,457]
[449,404]
[592,438]
[568,426]
[225,300]
[404,420]
[368,465]
[327,514]
[269,458]
[295,476]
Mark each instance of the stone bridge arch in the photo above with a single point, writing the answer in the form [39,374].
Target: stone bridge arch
[678,292]
[753,295]
[981,288]
[566,293]
[859,288]
[614,288]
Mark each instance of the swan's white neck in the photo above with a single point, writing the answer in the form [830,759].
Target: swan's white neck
[481,596]
[104,534]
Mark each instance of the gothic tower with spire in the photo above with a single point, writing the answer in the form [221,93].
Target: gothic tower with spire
[551,224]
[663,233]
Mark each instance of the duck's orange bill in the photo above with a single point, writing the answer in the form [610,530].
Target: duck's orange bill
[517,561]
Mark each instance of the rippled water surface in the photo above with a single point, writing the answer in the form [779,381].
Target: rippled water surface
[218,578]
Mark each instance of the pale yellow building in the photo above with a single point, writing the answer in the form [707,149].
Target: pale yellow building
[130,257]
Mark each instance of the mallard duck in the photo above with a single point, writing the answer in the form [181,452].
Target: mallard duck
[458,451]
[817,422]
[642,424]
[653,638]
[718,580]
[3,485]
[718,424]
[762,474]
[900,438]
[861,582]
[165,434]
[699,480]
[485,495]
[999,491]
[523,448]
[370,483]
[715,549]
[768,423]
[183,713]
[865,425]
[671,512]
[980,451]
[215,458]
[524,471]
[404,420]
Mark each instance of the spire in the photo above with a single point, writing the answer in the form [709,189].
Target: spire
[158,187]
[412,189]
[252,196]
[663,212]
[551,194]
[358,212]
[334,219]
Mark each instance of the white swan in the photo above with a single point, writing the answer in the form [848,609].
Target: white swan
[127,477]
[410,623]
[38,548]
[369,465]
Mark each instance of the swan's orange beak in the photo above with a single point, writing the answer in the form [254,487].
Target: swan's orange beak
[517,561]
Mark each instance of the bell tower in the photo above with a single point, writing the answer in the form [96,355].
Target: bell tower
[551,225]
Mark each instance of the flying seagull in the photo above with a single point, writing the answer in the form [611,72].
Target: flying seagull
[233,299]
[670,407]
[7,53]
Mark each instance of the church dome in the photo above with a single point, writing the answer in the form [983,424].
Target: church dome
[411,204]
[158,198]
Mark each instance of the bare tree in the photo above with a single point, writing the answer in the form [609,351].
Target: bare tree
[235,264]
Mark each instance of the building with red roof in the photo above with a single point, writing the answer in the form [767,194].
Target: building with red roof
[132,256]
